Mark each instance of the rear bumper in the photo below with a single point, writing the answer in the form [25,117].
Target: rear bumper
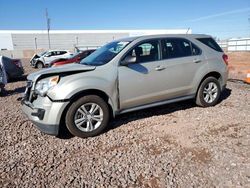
[46,117]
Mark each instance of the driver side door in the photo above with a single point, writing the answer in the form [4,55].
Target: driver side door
[141,82]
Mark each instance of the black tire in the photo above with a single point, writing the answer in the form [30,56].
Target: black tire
[69,120]
[2,90]
[39,65]
[8,77]
[200,98]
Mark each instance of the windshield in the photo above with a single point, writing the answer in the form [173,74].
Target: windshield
[104,54]
[75,55]
[42,53]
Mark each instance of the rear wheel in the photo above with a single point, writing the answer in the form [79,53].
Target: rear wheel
[39,65]
[208,93]
[87,117]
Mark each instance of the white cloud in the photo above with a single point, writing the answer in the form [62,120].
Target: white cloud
[220,14]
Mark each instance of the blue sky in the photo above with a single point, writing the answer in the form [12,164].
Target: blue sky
[222,18]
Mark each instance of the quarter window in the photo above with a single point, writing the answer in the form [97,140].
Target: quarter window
[210,42]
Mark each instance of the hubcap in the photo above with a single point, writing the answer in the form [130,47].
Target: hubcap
[88,117]
[210,92]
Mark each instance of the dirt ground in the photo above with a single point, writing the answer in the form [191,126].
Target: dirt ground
[176,145]
[239,64]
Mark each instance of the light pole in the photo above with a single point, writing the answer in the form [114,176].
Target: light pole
[48,25]
[249,20]
[77,41]
[35,43]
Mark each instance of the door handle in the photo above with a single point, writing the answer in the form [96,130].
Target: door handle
[159,68]
[197,61]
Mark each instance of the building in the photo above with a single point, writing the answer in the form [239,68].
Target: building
[22,42]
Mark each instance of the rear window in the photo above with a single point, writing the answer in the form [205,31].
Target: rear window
[210,43]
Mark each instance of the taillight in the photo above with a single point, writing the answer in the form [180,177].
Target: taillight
[225,58]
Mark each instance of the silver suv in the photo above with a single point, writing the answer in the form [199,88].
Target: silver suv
[123,76]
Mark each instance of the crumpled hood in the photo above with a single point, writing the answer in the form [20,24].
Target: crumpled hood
[70,69]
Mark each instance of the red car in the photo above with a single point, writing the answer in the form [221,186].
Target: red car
[74,59]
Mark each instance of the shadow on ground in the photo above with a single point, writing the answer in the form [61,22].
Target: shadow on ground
[141,114]
[21,78]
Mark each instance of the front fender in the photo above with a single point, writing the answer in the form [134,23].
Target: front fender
[69,88]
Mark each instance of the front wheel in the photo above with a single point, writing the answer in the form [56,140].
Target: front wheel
[87,117]
[208,93]
[39,65]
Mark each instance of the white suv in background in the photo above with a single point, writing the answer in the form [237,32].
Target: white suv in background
[42,60]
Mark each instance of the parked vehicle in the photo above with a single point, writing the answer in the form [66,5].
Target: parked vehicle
[76,58]
[43,59]
[13,67]
[123,76]
[3,77]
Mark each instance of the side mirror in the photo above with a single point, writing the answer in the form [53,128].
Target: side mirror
[47,55]
[128,60]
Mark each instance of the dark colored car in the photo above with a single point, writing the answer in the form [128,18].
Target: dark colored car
[74,59]
[13,67]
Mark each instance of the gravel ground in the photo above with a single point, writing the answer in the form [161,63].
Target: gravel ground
[177,145]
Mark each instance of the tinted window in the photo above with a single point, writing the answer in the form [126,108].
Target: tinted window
[57,52]
[210,43]
[49,54]
[62,52]
[195,50]
[173,48]
[146,52]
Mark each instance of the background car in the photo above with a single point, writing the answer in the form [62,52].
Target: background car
[76,58]
[13,67]
[44,59]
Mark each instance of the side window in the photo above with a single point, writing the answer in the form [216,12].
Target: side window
[174,48]
[146,51]
[54,53]
[195,50]
[57,52]
[49,54]
[210,42]
[62,52]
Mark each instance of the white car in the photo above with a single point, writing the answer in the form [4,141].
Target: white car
[43,60]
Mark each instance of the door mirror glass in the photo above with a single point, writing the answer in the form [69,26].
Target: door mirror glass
[128,60]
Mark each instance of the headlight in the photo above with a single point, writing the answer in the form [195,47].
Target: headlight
[43,86]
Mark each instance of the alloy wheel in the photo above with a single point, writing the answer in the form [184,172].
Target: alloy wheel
[210,92]
[88,117]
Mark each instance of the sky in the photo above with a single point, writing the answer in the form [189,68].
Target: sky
[221,18]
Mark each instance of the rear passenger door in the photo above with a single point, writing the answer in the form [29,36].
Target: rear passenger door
[182,59]
[63,54]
